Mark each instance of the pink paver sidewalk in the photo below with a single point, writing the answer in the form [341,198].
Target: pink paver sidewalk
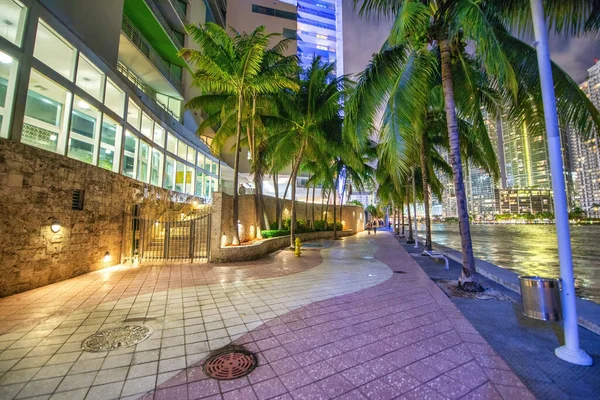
[400,339]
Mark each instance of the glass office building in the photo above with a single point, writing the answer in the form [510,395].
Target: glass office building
[58,95]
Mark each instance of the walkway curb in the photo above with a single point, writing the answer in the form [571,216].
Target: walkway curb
[588,311]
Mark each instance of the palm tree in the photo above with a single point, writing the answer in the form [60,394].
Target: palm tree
[305,119]
[230,70]
[443,29]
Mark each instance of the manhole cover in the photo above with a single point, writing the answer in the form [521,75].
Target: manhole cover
[231,364]
[113,338]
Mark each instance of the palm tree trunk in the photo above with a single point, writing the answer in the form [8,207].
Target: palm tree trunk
[306,205]
[402,212]
[410,231]
[313,207]
[257,173]
[468,279]
[277,205]
[236,167]
[327,208]
[342,209]
[280,226]
[424,179]
[293,179]
[337,178]
[397,220]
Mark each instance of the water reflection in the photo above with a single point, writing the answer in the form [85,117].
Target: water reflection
[531,250]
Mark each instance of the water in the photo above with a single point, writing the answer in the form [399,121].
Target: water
[531,250]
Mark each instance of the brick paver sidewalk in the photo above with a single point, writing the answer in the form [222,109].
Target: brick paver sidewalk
[346,328]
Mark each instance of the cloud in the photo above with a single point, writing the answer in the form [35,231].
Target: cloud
[575,55]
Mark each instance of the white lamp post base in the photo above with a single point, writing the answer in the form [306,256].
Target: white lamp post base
[578,357]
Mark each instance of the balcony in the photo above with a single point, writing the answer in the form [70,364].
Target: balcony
[154,6]
[163,81]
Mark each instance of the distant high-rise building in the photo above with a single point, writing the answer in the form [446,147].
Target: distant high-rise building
[585,150]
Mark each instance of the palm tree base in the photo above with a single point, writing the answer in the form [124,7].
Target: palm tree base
[410,241]
[470,287]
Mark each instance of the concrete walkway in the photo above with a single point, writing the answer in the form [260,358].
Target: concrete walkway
[356,320]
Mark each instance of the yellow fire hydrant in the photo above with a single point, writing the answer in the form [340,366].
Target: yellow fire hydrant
[297,251]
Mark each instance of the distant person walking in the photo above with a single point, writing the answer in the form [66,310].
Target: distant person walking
[375,228]
[242,189]
[369,227]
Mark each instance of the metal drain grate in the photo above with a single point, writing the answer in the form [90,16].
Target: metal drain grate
[113,338]
[399,272]
[230,364]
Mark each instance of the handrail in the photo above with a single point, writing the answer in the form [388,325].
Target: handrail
[164,23]
[142,44]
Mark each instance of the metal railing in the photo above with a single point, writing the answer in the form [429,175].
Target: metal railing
[142,44]
[156,11]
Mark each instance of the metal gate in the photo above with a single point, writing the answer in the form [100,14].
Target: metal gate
[175,235]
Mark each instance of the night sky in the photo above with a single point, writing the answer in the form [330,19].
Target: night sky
[364,37]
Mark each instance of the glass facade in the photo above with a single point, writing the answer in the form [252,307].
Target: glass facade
[78,108]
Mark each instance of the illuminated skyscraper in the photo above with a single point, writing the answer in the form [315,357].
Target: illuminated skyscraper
[586,154]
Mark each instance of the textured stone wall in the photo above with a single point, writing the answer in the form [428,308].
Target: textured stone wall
[35,187]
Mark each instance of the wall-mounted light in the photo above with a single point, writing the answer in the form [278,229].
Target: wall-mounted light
[107,258]
[54,225]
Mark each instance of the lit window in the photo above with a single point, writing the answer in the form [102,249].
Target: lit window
[134,115]
[199,179]
[214,168]
[143,162]
[13,21]
[147,126]
[114,98]
[180,177]
[8,74]
[207,164]
[44,124]
[182,150]
[189,180]
[200,161]
[89,78]
[156,168]
[172,144]
[109,144]
[130,154]
[191,155]
[84,126]
[54,51]
[159,135]
[169,178]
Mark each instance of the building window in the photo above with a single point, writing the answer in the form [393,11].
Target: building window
[169,173]
[134,115]
[130,155]
[147,126]
[172,144]
[191,155]
[207,164]
[182,150]
[179,177]
[214,168]
[159,135]
[273,12]
[189,180]
[89,78]
[12,21]
[47,104]
[200,161]
[143,162]
[290,34]
[54,51]
[199,179]
[114,98]
[109,144]
[156,168]
[84,125]
[8,73]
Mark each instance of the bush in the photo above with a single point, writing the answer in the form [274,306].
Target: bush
[274,233]
[320,225]
[301,226]
[274,226]
[338,226]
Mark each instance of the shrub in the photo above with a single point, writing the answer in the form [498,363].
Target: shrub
[320,225]
[274,233]
[301,226]
[274,226]
[338,226]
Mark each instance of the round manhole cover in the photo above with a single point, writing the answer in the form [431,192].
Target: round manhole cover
[231,364]
[113,338]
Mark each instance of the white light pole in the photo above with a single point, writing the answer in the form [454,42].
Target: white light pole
[570,352]
[415,207]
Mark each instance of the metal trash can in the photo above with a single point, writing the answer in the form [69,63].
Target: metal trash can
[541,298]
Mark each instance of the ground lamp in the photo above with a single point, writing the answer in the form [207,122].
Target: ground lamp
[107,258]
[570,352]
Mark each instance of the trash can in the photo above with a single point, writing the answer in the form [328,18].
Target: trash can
[541,298]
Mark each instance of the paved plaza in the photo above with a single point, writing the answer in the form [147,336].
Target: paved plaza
[349,319]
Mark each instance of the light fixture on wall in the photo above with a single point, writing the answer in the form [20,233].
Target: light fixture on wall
[54,225]
[107,258]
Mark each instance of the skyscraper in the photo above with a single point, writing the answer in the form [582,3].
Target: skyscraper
[586,154]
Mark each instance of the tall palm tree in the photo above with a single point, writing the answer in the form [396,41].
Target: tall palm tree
[305,119]
[230,70]
[443,28]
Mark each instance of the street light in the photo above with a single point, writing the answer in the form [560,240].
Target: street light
[570,352]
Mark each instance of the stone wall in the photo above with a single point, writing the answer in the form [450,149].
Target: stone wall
[36,187]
